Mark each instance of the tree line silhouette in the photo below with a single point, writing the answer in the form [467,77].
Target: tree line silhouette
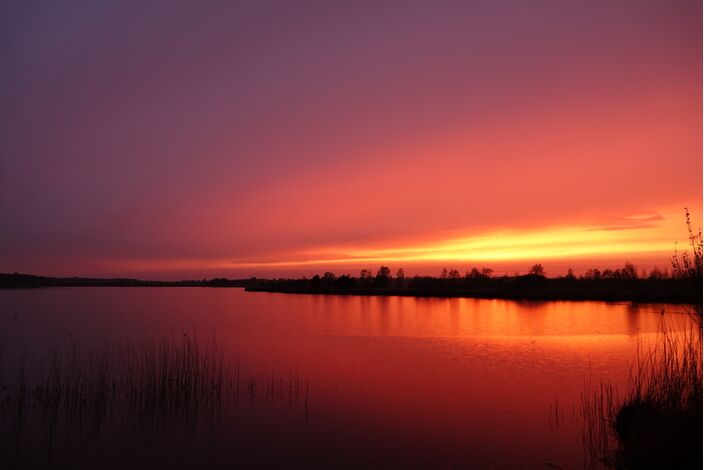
[623,283]
[682,284]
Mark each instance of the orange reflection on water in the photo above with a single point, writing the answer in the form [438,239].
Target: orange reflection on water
[438,382]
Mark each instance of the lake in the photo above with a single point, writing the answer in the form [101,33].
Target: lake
[381,381]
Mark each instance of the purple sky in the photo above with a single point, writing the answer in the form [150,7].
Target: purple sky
[176,139]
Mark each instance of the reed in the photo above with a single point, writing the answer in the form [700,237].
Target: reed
[146,382]
[657,423]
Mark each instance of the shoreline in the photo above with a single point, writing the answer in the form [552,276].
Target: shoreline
[640,296]
[671,290]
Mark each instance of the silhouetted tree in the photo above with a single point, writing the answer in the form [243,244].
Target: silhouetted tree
[383,277]
[400,278]
[537,270]
[485,273]
[383,273]
[592,274]
[365,278]
[473,274]
[443,273]
[453,274]
[629,271]
[345,282]
[657,274]
[570,274]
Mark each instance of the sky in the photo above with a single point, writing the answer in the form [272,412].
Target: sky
[170,139]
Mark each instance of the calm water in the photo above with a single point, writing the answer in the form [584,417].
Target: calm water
[392,381]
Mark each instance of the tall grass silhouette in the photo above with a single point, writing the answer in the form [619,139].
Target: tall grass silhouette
[657,423]
[139,384]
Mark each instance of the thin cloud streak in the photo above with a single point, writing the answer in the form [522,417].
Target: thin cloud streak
[544,244]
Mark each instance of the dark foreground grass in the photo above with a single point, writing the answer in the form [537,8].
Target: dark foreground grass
[146,382]
[657,424]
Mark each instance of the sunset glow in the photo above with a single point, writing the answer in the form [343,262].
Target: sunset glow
[252,141]
[351,234]
[573,242]
[639,240]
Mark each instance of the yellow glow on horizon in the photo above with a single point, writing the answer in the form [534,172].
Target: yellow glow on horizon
[639,235]
[649,236]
